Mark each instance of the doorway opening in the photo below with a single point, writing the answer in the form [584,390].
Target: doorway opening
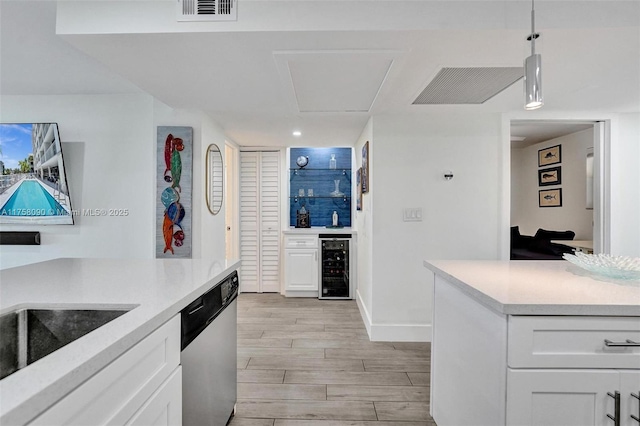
[557,183]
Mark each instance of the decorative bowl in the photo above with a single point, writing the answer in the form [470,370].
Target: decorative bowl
[619,267]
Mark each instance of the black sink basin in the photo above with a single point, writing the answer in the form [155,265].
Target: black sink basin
[27,335]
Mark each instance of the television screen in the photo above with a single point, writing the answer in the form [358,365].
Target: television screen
[33,184]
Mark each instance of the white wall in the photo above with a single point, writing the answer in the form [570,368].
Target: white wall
[208,230]
[110,153]
[464,218]
[572,215]
[363,223]
[109,159]
[409,156]
[625,186]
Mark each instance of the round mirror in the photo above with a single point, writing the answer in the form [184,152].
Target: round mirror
[214,180]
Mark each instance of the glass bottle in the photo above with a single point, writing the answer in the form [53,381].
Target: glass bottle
[332,162]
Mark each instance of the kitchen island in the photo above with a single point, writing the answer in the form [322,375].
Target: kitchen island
[533,342]
[155,291]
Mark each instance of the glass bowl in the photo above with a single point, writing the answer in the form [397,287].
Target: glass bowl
[619,267]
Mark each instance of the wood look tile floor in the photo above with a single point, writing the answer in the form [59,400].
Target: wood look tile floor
[309,362]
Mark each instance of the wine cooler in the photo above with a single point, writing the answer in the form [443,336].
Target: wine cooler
[335,276]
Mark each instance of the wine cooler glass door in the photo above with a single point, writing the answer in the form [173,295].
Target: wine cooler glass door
[335,269]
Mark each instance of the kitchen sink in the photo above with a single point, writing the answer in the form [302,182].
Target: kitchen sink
[29,334]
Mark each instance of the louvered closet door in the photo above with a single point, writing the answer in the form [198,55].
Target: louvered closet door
[259,221]
[270,221]
[249,241]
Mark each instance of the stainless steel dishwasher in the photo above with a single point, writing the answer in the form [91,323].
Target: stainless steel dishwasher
[209,355]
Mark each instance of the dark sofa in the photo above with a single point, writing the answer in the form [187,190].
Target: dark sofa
[539,247]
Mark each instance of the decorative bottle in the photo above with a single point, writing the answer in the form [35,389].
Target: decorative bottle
[332,162]
[334,218]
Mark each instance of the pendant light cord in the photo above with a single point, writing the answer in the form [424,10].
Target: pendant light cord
[533,31]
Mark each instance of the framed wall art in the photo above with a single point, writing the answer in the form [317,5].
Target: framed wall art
[551,155]
[550,197]
[359,189]
[550,176]
[365,167]
[173,192]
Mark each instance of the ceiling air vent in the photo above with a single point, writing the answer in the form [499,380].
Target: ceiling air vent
[468,85]
[207,10]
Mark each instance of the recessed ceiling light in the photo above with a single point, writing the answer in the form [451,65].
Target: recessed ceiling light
[297,133]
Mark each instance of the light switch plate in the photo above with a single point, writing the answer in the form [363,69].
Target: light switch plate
[412,214]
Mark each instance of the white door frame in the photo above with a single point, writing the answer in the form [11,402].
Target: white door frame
[232,210]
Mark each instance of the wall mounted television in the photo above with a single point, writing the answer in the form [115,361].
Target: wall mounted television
[34,189]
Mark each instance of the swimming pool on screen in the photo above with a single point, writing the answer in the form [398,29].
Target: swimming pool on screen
[31,199]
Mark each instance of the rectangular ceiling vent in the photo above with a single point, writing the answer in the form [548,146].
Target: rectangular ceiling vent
[207,10]
[468,85]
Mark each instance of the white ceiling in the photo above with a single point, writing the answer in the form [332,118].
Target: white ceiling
[333,80]
[320,66]
[526,133]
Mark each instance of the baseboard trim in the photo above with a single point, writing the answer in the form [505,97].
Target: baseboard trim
[366,318]
[313,294]
[400,333]
[393,332]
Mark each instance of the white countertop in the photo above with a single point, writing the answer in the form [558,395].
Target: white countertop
[319,230]
[527,287]
[160,288]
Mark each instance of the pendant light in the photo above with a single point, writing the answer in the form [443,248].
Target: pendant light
[533,71]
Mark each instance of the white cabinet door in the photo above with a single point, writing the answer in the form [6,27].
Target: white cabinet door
[561,397]
[629,404]
[301,269]
[115,393]
[260,221]
[164,408]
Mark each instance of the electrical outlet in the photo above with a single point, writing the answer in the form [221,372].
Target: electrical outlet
[412,214]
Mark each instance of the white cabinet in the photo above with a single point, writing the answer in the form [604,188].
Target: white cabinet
[572,397]
[572,342]
[629,398]
[301,269]
[490,368]
[561,397]
[562,372]
[301,265]
[164,408]
[143,384]
[468,360]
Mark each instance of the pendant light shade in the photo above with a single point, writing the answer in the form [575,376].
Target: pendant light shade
[533,82]
[533,70]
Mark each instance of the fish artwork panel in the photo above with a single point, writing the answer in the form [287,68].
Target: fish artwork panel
[167,233]
[551,155]
[550,176]
[550,197]
[176,170]
[174,192]
[167,158]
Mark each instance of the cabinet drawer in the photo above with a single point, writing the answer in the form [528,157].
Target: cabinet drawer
[572,342]
[301,241]
[116,392]
[165,405]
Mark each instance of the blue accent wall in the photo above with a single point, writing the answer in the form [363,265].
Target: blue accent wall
[317,176]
